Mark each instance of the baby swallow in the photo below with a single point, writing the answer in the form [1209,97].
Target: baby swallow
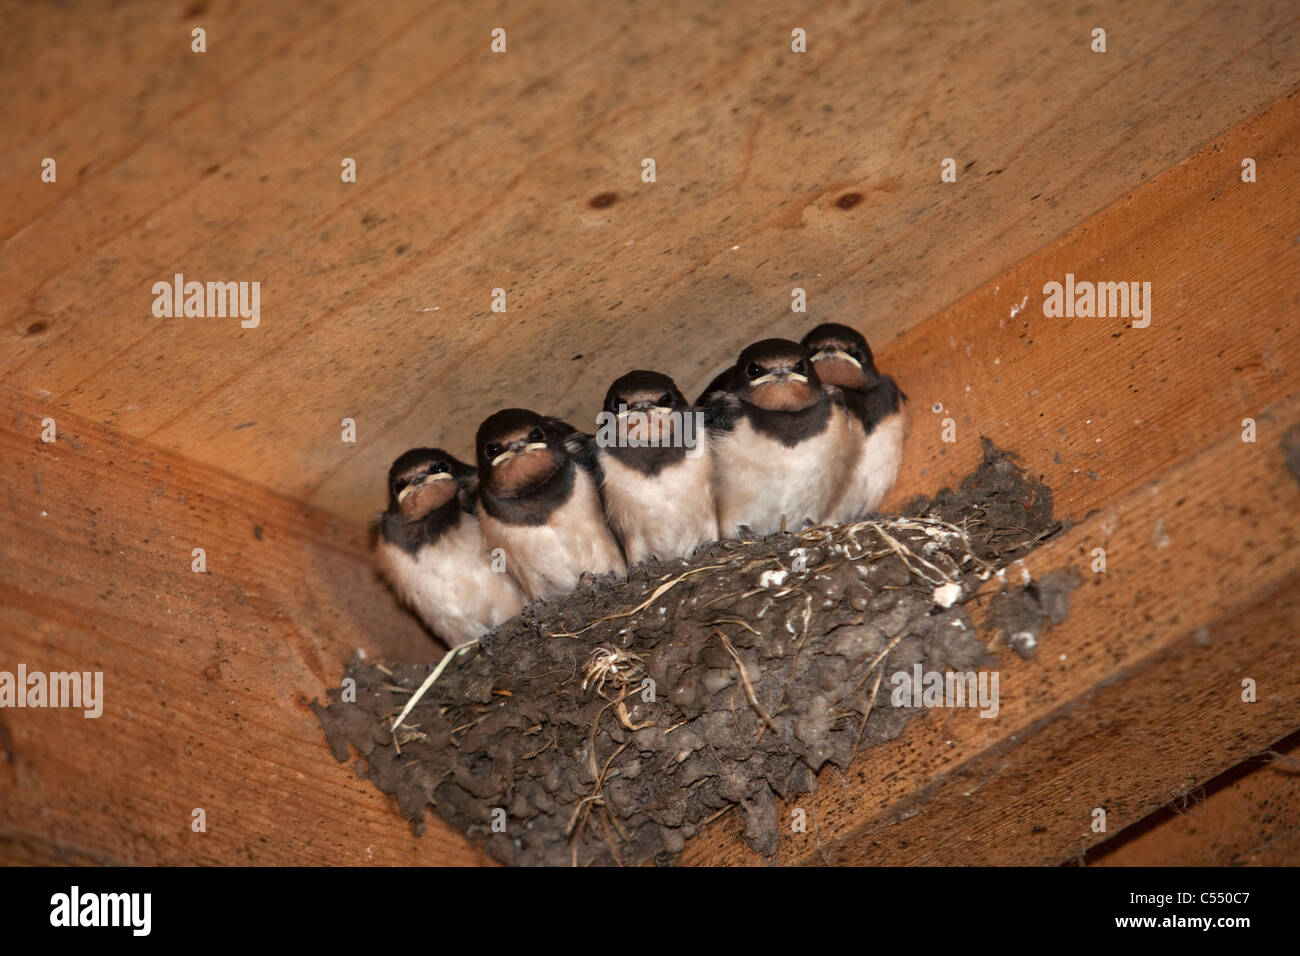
[656,469]
[782,443]
[843,358]
[541,502]
[429,548]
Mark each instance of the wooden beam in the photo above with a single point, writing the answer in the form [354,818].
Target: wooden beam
[208,677]
[1133,701]
[1094,405]
[1247,816]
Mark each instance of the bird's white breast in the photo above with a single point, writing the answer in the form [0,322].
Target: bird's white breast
[667,515]
[548,559]
[450,584]
[759,480]
[876,468]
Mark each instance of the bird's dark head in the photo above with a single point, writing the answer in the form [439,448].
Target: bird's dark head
[776,375]
[646,400]
[518,450]
[422,480]
[841,355]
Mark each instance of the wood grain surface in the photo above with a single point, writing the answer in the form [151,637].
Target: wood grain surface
[208,677]
[521,171]
[1248,816]
[478,171]
[1094,404]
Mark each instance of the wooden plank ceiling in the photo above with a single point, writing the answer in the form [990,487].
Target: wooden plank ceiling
[521,171]
[775,170]
[1136,701]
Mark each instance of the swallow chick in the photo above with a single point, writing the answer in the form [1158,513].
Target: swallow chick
[656,469]
[429,548]
[842,358]
[783,444]
[540,498]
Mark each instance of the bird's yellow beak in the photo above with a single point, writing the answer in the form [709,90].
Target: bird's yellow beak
[832,352]
[440,476]
[779,377]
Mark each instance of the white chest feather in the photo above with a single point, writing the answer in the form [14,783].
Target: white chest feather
[451,584]
[667,515]
[876,468]
[548,559]
[759,481]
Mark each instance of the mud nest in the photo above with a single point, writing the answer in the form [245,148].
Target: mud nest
[608,726]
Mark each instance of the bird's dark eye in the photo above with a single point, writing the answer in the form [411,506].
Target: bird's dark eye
[536,435]
[857,354]
[492,449]
[399,484]
[666,400]
[754,370]
[800,368]
[438,468]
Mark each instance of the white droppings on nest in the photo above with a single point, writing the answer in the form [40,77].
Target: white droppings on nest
[1025,640]
[772,579]
[1017,565]
[1017,309]
[946,595]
